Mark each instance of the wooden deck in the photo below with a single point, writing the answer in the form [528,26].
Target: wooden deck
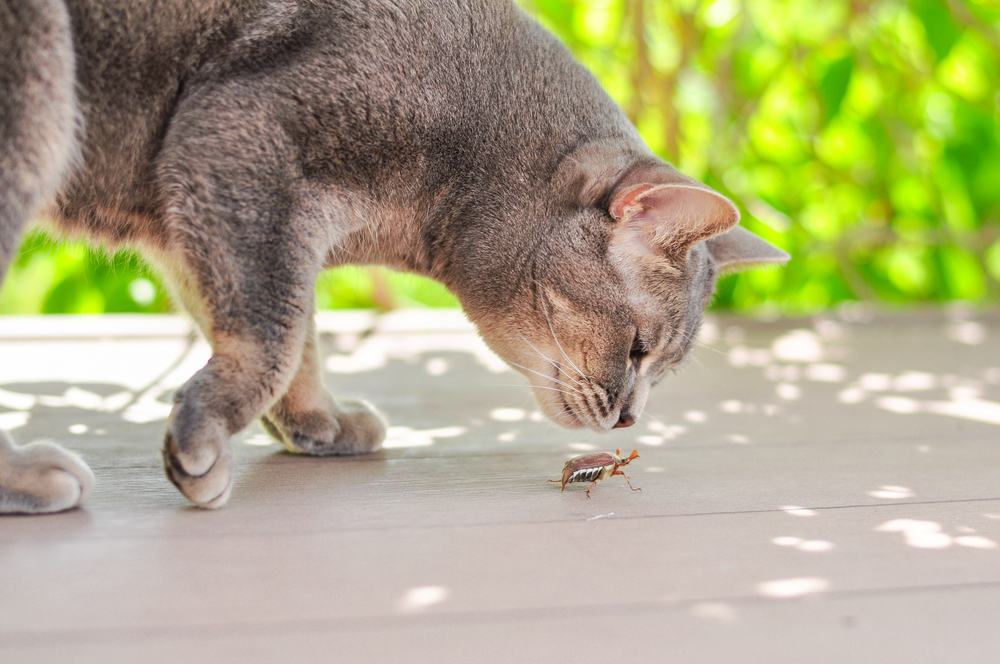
[823,490]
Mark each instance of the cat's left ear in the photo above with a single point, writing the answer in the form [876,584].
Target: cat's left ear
[669,218]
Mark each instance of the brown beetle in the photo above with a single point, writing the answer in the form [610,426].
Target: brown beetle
[596,467]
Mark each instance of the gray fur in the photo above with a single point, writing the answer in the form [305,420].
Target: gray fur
[245,145]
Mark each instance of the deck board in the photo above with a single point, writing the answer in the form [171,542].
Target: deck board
[819,490]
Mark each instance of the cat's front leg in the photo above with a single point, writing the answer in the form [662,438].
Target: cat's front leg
[41,477]
[307,419]
[257,347]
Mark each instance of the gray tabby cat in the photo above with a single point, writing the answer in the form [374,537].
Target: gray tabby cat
[244,145]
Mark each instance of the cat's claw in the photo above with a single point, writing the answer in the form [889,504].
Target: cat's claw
[41,478]
[355,427]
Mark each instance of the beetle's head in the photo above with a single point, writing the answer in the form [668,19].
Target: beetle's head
[627,460]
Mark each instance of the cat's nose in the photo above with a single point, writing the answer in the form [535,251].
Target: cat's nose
[625,420]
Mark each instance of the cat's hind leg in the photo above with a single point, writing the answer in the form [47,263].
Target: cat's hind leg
[307,419]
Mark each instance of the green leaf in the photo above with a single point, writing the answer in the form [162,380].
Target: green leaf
[941,28]
[834,83]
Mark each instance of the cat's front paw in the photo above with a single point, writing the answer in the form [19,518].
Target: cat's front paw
[349,427]
[199,463]
[41,477]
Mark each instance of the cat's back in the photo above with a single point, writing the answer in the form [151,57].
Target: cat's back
[365,89]
[133,58]
[446,86]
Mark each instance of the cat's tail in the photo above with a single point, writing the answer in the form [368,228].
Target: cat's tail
[39,114]
[39,118]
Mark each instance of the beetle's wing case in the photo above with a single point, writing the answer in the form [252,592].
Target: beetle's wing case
[595,460]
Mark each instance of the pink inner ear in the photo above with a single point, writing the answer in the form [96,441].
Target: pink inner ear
[627,203]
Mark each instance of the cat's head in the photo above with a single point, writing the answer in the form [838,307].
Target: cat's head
[602,292]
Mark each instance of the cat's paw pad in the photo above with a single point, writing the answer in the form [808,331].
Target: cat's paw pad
[355,428]
[203,473]
[42,477]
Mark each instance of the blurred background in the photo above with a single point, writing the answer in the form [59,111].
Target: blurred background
[863,137]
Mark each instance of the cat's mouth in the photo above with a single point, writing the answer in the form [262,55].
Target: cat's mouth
[570,403]
[573,422]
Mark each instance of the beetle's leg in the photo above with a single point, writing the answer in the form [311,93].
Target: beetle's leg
[618,471]
[591,487]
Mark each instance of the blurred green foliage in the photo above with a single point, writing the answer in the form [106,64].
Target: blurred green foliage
[52,277]
[862,136]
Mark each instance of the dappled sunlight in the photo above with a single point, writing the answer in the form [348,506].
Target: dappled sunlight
[10,421]
[508,414]
[130,363]
[420,598]
[17,400]
[260,440]
[406,437]
[696,416]
[794,587]
[795,510]
[798,346]
[142,371]
[803,356]
[803,544]
[75,397]
[930,535]
[891,492]
[436,367]
[662,432]
[375,352]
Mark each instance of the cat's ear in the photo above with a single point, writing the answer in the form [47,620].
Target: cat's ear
[738,249]
[669,218]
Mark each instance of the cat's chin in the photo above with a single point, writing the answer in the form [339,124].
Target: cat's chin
[560,412]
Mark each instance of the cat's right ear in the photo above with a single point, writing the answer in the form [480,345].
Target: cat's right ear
[668,218]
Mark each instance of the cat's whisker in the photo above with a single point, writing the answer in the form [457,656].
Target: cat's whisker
[555,364]
[703,343]
[548,320]
[711,348]
[545,376]
[533,387]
